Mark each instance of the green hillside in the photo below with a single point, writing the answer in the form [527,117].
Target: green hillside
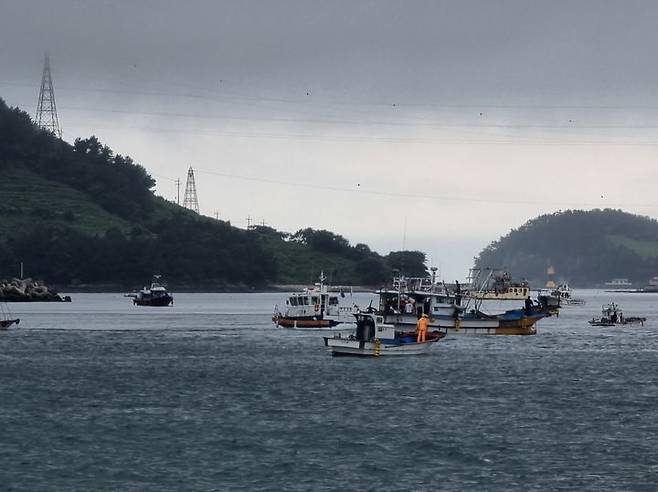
[26,197]
[82,215]
[586,248]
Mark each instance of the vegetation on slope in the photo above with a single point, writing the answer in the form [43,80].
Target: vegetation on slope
[586,248]
[81,214]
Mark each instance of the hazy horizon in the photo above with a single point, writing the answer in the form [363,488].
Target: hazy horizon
[437,126]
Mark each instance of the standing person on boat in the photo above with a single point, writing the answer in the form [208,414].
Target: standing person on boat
[458,293]
[528,306]
[421,328]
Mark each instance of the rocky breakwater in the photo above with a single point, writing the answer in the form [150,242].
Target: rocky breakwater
[28,290]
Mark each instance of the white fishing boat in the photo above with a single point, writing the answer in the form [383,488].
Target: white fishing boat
[564,294]
[374,338]
[451,311]
[321,307]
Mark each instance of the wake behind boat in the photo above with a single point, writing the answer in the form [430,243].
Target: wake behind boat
[321,307]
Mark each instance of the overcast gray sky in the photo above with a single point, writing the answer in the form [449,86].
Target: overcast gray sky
[460,119]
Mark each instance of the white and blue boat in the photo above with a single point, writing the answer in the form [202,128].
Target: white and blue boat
[374,338]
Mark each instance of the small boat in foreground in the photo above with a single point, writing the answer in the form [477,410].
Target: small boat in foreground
[374,338]
[155,295]
[317,308]
[612,315]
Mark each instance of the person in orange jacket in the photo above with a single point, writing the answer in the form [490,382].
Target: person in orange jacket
[421,328]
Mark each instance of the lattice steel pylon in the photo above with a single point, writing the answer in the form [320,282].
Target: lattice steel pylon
[46,115]
[190,200]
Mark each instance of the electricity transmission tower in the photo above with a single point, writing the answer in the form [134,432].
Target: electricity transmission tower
[190,199]
[46,115]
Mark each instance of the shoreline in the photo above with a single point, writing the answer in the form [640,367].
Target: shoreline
[229,289]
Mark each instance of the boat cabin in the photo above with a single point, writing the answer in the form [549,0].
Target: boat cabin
[312,303]
[371,326]
[416,296]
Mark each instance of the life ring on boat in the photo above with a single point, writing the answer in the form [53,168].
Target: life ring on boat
[317,308]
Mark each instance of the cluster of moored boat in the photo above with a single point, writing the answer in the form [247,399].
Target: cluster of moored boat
[389,327]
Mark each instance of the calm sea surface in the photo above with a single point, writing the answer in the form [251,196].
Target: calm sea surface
[209,395]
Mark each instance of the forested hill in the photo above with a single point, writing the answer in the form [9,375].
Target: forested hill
[587,248]
[81,215]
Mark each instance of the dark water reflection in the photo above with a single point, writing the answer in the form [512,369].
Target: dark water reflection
[208,395]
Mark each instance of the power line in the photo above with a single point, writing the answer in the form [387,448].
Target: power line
[374,138]
[389,103]
[444,125]
[429,196]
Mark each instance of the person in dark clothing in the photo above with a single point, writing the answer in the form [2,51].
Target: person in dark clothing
[458,293]
[528,306]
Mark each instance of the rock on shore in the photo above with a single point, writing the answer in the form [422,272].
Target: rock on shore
[28,290]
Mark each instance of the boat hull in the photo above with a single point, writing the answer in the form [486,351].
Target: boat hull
[474,326]
[311,323]
[156,301]
[376,348]
[626,322]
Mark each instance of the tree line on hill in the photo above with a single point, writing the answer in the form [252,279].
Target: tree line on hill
[586,248]
[190,250]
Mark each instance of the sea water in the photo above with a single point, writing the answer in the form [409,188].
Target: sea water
[210,395]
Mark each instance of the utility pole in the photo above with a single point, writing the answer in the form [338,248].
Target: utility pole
[190,200]
[46,114]
[178,191]
[216,214]
[248,222]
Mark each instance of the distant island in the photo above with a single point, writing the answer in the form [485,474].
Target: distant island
[586,248]
[82,217]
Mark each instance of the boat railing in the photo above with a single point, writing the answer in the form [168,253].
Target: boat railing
[418,284]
